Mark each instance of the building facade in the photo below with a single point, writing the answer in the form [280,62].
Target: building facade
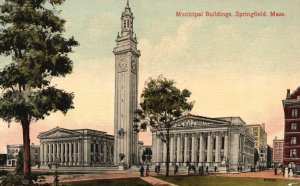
[278,151]
[126,90]
[206,142]
[13,151]
[79,147]
[291,146]
[259,133]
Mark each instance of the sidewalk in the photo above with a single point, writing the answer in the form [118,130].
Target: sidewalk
[108,175]
[261,174]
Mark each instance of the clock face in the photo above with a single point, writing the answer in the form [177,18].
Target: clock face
[122,65]
[133,66]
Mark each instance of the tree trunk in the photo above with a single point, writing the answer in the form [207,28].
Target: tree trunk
[168,152]
[26,143]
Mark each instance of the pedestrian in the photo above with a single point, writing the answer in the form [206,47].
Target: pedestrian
[175,169]
[158,168]
[283,171]
[142,171]
[206,169]
[275,170]
[147,170]
[215,168]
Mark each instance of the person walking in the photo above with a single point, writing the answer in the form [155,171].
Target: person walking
[142,171]
[147,170]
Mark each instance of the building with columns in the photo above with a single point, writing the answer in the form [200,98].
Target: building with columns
[79,147]
[126,91]
[204,141]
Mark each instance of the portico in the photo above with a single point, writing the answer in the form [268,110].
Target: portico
[203,141]
[81,147]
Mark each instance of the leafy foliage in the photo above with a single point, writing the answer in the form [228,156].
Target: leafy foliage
[31,33]
[161,104]
[21,180]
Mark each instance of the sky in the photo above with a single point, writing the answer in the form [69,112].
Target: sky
[233,66]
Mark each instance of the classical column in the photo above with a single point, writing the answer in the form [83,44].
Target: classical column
[66,154]
[42,153]
[54,152]
[154,148]
[105,152]
[164,153]
[79,153]
[179,153]
[201,150]
[193,152]
[61,152]
[209,149]
[46,153]
[51,153]
[58,152]
[185,149]
[158,149]
[70,153]
[226,145]
[171,149]
[218,150]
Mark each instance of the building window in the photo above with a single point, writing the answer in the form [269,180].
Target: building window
[293,126]
[223,143]
[293,153]
[92,147]
[294,112]
[214,145]
[255,128]
[97,148]
[293,140]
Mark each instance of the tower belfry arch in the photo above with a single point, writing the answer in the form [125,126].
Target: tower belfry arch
[126,91]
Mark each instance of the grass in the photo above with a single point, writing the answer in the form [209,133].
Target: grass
[225,181]
[116,182]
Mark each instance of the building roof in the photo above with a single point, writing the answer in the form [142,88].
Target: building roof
[62,132]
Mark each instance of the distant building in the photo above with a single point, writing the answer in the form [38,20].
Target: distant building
[260,143]
[79,147]
[259,133]
[13,150]
[278,151]
[291,151]
[3,159]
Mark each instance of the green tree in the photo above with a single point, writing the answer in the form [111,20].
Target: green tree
[20,163]
[31,34]
[161,104]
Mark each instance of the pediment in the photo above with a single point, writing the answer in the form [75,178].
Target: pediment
[58,133]
[198,121]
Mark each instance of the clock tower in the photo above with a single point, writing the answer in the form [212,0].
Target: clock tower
[126,91]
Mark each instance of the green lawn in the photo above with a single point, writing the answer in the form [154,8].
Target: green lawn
[225,181]
[117,182]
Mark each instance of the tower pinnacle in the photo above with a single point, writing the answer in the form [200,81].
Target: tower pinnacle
[127,21]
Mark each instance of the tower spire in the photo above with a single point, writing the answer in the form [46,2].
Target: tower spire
[127,21]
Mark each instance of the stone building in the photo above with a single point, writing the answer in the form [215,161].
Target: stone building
[204,141]
[13,150]
[126,91]
[79,147]
[278,151]
[259,133]
[291,147]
